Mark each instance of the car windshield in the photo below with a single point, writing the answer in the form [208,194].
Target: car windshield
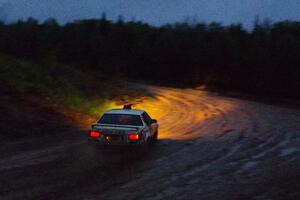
[121,119]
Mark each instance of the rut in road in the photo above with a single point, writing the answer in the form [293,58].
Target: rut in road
[219,148]
[210,147]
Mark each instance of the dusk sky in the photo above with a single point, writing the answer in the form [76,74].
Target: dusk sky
[156,12]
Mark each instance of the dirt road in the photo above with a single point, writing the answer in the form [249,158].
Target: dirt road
[210,147]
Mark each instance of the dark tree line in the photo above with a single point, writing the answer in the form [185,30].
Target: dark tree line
[265,60]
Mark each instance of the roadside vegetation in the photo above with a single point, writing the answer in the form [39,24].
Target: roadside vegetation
[63,86]
[262,61]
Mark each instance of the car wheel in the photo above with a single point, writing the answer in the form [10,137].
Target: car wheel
[155,136]
[146,145]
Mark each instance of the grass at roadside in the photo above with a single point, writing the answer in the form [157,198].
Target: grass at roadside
[86,92]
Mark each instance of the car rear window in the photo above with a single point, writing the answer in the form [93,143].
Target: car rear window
[121,119]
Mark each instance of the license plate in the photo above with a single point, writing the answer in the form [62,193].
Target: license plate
[113,138]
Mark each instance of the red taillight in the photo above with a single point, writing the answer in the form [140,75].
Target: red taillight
[134,136]
[95,134]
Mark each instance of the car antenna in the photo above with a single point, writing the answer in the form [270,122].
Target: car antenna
[127,106]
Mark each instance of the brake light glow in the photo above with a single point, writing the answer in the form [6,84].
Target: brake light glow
[95,134]
[134,136]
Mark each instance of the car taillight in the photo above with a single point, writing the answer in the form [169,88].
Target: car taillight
[134,136]
[95,134]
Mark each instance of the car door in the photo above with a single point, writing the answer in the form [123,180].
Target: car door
[149,124]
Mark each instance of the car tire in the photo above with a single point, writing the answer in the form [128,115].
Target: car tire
[146,145]
[154,137]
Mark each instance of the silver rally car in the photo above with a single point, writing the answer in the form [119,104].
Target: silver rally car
[124,127]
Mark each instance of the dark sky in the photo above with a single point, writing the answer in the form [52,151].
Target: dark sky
[156,12]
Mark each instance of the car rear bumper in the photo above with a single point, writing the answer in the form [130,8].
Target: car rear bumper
[104,143]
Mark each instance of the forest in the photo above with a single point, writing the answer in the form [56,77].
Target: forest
[263,61]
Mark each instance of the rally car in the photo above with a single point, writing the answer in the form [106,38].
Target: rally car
[124,127]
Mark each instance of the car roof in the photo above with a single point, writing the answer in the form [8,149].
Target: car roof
[125,111]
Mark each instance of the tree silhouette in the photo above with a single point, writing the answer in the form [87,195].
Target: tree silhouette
[262,61]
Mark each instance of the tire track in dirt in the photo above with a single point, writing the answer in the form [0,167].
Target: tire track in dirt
[226,141]
[210,147]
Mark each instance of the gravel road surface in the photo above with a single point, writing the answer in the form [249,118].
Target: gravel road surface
[210,147]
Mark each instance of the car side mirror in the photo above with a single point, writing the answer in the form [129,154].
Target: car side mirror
[154,121]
